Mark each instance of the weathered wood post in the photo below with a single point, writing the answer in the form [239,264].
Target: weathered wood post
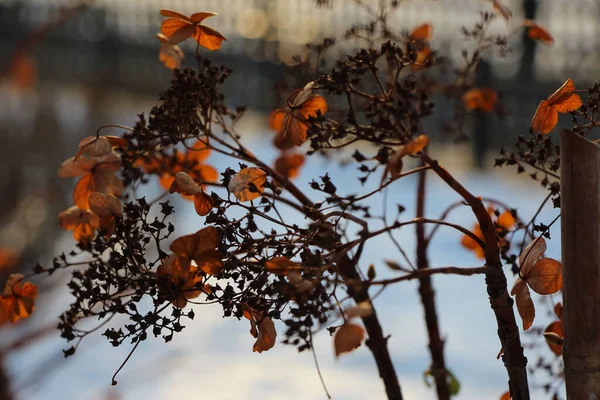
[580,209]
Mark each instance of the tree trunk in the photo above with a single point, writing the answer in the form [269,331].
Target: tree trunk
[580,209]
[436,343]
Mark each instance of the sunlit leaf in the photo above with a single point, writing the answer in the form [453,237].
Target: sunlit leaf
[563,100]
[178,27]
[545,277]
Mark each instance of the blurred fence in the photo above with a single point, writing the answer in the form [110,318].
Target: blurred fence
[111,47]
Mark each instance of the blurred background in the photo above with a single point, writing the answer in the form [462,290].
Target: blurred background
[99,65]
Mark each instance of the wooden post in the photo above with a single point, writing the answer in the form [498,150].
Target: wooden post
[580,209]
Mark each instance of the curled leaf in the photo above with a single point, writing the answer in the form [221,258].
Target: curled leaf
[266,335]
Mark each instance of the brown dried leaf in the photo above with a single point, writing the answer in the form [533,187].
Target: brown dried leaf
[203,203]
[105,205]
[524,303]
[531,254]
[266,335]
[348,338]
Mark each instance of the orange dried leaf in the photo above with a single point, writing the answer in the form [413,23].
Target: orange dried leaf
[416,145]
[558,310]
[537,32]
[347,338]
[289,165]
[506,220]
[505,396]
[179,27]
[422,32]
[422,58]
[105,205]
[292,123]
[203,203]
[208,38]
[469,243]
[545,277]
[281,266]
[83,223]
[484,99]
[556,338]
[179,279]
[248,184]
[18,298]
[563,100]
[83,189]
